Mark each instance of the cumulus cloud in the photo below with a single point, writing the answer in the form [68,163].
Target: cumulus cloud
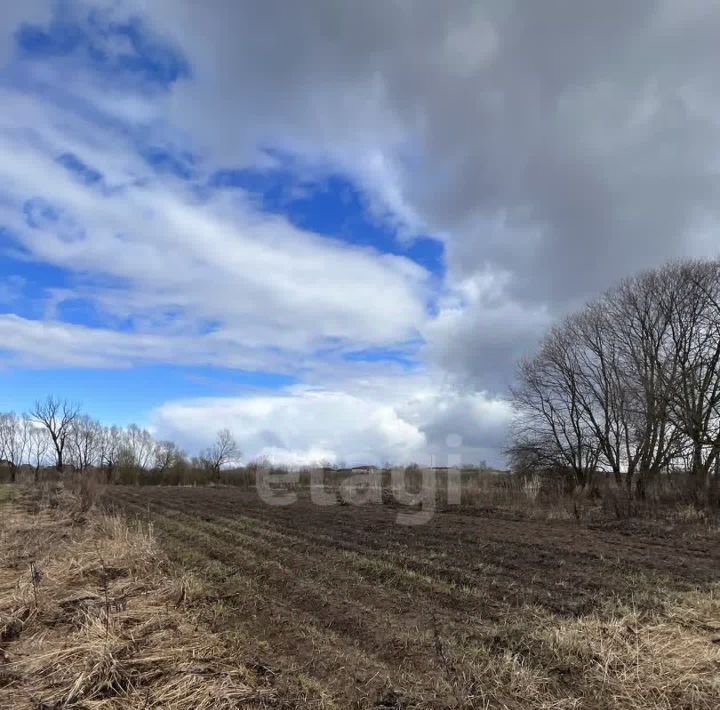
[375,421]
[299,425]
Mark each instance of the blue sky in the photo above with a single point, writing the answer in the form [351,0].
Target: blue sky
[318,201]
[334,230]
[123,396]
[86,297]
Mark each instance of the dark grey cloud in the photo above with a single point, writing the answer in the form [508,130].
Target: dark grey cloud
[557,145]
[564,144]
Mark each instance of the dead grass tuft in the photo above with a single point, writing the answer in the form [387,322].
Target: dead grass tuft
[104,624]
[624,661]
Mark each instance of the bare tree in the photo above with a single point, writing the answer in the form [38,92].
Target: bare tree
[223,451]
[167,455]
[13,441]
[85,442]
[139,446]
[57,416]
[630,385]
[694,390]
[598,382]
[38,446]
[642,312]
[111,442]
[623,370]
[551,426]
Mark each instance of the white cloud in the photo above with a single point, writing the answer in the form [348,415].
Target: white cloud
[290,425]
[44,343]
[564,147]
[261,281]
[376,420]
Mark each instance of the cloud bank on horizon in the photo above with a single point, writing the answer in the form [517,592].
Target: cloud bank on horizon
[334,227]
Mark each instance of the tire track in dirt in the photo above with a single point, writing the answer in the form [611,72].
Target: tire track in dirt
[312,595]
[489,588]
[461,531]
[488,560]
[437,579]
[413,649]
[265,609]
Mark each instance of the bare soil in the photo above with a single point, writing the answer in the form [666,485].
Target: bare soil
[469,610]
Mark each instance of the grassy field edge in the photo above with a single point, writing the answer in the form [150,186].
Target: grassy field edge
[92,615]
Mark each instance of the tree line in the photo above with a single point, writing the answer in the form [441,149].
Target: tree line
[56,433]
[629,386]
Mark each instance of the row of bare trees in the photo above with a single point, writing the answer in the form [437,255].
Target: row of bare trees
[56,433]
[629,386]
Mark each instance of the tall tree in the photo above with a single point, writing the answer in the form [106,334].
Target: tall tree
[631,384]
[38,447]
[694,389]
[551,427]
[111,443]
[139,446]
[85,442]
[57,416]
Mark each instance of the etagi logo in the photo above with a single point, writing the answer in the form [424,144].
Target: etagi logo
[413,488]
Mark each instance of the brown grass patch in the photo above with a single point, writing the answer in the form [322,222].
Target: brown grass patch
[103,622]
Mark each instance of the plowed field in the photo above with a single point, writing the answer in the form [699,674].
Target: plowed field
[468,610]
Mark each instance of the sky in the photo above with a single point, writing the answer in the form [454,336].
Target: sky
[334,228]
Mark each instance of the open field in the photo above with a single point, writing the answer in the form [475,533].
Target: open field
[470,610]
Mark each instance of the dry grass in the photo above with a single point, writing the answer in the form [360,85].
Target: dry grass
[104,624]
[344,609]
[618,660]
